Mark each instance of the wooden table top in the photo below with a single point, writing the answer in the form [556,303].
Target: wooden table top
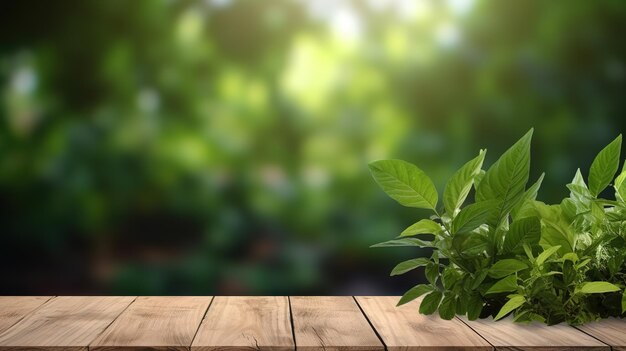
[272,323]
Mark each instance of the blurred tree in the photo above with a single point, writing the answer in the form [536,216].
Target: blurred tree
[200,147]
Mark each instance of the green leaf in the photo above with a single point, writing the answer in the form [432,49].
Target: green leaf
[569,208]
[624,302]
[478,279]
[578,180]
[430,302]
[472,216]
[569,273]
[404,242]
[620,185]
[435,256]
[534,317]
[405,183]
[414,293]
[614,264]
[529,252]
[555,229]
[460,184]
[578,189]
[506,267]
[450,277]
[461,304]
[570,257]
[597,211]
[557,234]
[474,307]
[425,226]
[521,316]
[432,272]
[470,244]
[522,231]
[479,177]
[604,166]
[447,309]
[503,285]
[514,302]
[597,288]
[409,265]
[583,263]
[506,179]
[546,254]
[520,210]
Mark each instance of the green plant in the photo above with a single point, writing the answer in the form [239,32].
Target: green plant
[507,252]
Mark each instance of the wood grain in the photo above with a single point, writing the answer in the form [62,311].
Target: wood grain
[611,331]
[263,323]
[239,323]
[507,335]
[331,323]
[405,329]
[155,323]
[64,323]
[14,308]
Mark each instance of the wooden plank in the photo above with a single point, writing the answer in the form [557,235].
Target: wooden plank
[611,331]
[405,329]
[64,323]
[331,323]
[14,308]
[239,323]
[157,323]
[507,335]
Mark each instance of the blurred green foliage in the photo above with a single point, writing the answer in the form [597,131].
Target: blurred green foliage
[200,147]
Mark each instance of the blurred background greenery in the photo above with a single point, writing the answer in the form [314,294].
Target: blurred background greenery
[221,146]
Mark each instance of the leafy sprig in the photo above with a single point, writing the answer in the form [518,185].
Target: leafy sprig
[506,252]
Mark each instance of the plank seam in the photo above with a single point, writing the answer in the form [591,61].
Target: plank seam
[293,330]
[370,322]
[108,325]
[29,313]
[201,321]
[602,341]
[493,347]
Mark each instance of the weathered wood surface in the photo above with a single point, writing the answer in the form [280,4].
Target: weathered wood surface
[611,331]
[251,322]
[403,329]
[157,323]
[14,308]
[331,323]
[273,323]
[64,323]
[507,335]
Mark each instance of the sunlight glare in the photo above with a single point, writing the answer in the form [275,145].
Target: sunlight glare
[346,24]
[447,35]
[460,7]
